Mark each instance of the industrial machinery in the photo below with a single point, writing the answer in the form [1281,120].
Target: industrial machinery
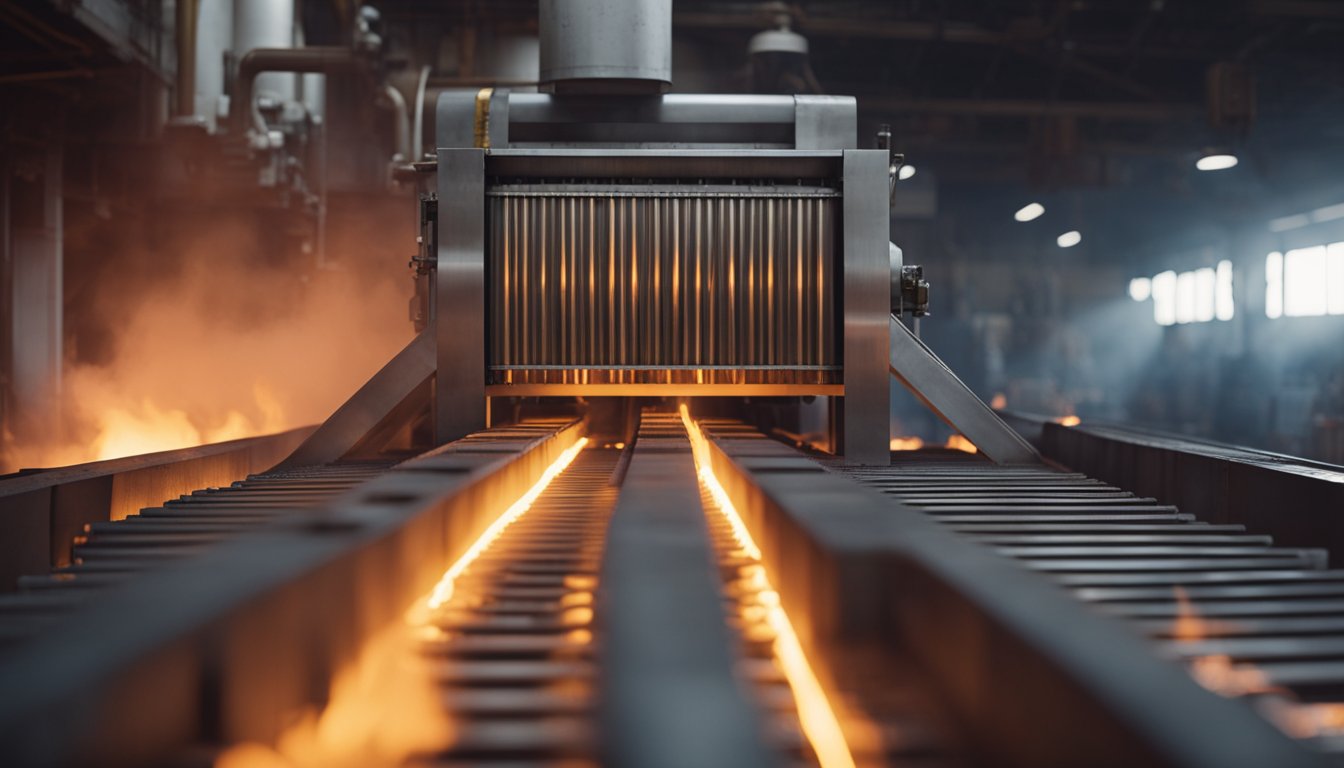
[562,508]
[605,239]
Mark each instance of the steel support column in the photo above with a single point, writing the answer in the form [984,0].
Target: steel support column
[33,251]
[459,296]
[867,307]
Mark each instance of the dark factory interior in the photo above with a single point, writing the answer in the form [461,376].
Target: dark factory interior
[671,383]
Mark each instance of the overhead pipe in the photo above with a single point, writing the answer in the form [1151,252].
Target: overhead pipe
[319,59]
[403,121]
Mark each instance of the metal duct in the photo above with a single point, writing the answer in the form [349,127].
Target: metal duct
[599,46]
[637,284]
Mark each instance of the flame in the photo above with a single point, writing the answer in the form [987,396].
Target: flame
[999,401]
[383,708]
[1219,674]
[1304,721]
[1071,420]
[147,428]
[443,591]
[210,344]
[818,720]
[1215,672]
[906,443]
[1189,627]
[960,443]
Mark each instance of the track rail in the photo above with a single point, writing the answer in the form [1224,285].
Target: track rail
[1251,619]
[685,601]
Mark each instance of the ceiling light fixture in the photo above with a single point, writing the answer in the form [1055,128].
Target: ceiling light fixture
[1069,239]
[1213,160]
[1029,212]
[906,172]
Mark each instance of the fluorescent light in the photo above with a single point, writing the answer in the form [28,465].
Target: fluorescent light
[1164,298]
[906,172]
[1226,305]
[1185,297]
[1218,162]
[1069,239]
[1274,285]
[1328,213]
[1334,268]
[1304,282]
[1140,288]
[1206,292]
[1286,223]
[1029,212]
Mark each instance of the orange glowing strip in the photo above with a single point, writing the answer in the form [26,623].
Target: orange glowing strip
[443,591]
[818,720]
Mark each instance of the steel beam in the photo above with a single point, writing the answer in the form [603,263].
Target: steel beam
[929,379]
[1036,677]
[42,512]
[670,694]
[459,297]
[867,280]
[377,402]
[226,646]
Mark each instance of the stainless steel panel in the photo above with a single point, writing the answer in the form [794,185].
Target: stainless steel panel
[671,108]
[664,164]
[867,307]
[825,122]
[627,41]
[632,284]
[459,297]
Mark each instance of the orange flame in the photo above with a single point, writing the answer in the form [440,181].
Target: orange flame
[1215,672]
[960,443]
[1069,421]
[384,708]
[815,714]
[999,401]
[215,346]
[906,443]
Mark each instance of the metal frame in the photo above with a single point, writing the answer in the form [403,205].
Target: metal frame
[386,396]
[1037,677]
[930,380]
[661,609]
[460,407]
[867,305]
[225,647]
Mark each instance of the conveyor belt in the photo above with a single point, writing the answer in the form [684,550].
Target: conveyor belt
[1251,619]
[513,650]
[516,650]
[109,552]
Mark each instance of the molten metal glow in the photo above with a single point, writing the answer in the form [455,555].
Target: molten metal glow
[443,591]
[818,720]
[960,443]
[1070,421]
[906,443]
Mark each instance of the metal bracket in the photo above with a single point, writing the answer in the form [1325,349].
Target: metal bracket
[384,398]
[929,379]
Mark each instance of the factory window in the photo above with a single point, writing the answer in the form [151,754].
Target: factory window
[1197,296]
[1305,282]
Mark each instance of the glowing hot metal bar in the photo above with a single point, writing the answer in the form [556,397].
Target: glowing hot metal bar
[443,591]
[814,709]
